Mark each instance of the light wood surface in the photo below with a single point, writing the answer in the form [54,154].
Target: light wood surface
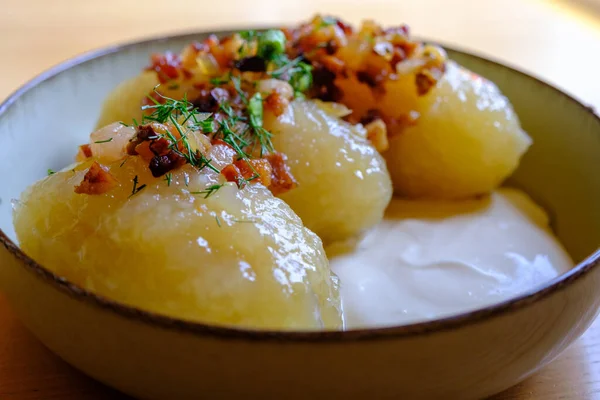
[558,41]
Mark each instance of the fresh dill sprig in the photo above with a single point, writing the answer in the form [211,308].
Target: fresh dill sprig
[237,84]
[248,35]
[135,183]
[172,111]
[168,178]
[255,112]
[232,138]
[135,188]
[50,172]
[218,220]
[210,190]
[271,46]
[297,72]
[104,141]
[204,125]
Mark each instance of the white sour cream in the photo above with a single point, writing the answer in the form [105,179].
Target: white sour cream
[429,259]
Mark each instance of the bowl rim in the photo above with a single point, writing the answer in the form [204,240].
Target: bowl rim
[225,332]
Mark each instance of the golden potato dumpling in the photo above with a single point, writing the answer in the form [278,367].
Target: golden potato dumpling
[466,142]
[124,103]
[343,184]
[240,257]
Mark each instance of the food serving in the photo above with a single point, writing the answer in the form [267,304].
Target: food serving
[248,182]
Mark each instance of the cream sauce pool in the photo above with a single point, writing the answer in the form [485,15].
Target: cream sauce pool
[430,259]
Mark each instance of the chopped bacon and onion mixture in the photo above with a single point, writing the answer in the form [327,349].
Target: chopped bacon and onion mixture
[215,93]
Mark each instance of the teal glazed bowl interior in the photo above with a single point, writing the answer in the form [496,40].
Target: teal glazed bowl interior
[468,356]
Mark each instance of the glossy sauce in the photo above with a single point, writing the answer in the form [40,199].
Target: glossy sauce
[429,259]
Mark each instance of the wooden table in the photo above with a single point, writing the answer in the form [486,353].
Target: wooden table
[559,40]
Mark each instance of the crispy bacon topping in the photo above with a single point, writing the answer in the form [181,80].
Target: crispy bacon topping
[276,103]
[282,179]
[97,180]
[85,152]
[242,171]
[272,171]
[235,80]
[424,81]
[150,144]
[167,66]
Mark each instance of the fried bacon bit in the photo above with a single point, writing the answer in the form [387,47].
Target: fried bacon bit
[143,133]
[276,103]
[85,152]
[167,66]
[282,179]
[161,164]
[366,78]
[243,170]
[272,171]
[251,64]
[232,174]
[324,84]
[333,64]
[97,180]
[347,29]
[205,102]
[424,81]
[151,146]
[377,134]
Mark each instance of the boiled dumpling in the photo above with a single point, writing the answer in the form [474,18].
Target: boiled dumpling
[343,184]
[466,142]
[237,257]
[124,103]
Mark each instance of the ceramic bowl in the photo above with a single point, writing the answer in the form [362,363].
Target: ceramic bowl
[468,356]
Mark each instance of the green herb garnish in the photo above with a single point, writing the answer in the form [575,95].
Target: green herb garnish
[210,190]
[104,141]
[168,178]
[135,188]
[255,111]
[50,172]
[172,111]
[271,44]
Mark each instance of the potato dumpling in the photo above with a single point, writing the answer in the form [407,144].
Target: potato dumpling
[466,142]
[238,257]
[343,184]
[124,103]
[393,99]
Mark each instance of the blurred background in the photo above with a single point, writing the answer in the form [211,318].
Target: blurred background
[558,40]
